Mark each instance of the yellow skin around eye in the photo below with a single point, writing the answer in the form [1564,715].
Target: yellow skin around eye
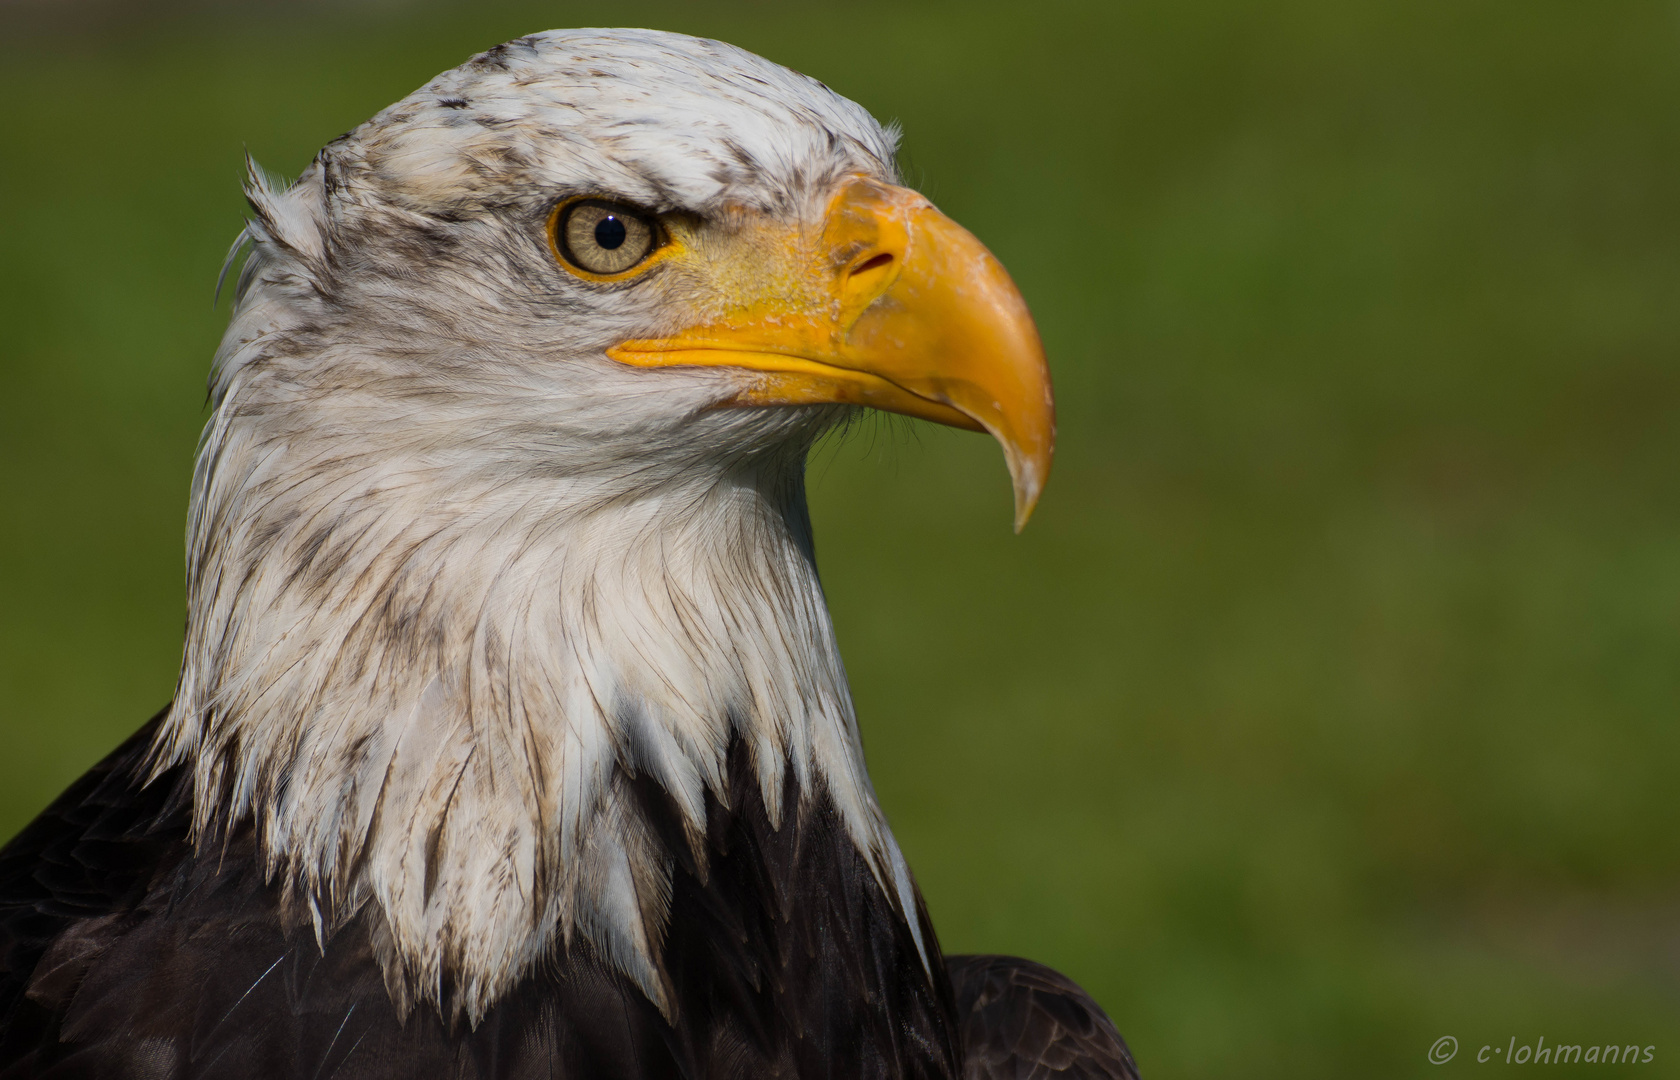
[650,251]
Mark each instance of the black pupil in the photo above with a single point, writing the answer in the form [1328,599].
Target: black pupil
[610,232]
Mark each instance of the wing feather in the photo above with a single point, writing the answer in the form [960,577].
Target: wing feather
[1024,1021]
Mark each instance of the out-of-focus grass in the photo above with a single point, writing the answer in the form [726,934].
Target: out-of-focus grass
[1329,704]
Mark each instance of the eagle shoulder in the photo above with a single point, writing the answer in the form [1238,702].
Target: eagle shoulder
[1024,1021]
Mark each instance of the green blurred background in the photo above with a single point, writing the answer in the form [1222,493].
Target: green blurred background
[1328,706]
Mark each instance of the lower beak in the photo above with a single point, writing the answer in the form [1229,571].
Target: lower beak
[902,309]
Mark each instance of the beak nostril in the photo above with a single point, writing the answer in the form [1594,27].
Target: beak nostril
[875,262]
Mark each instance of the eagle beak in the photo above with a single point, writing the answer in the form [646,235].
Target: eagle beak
[894,306]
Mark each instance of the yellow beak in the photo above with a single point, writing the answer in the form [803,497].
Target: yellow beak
[897,307]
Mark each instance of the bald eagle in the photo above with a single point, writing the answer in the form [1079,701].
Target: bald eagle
[511,737]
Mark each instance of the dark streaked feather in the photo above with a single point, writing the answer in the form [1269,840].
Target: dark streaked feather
[124,953]
[1024,1021]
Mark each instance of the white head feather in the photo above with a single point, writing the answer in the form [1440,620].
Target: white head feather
[451,569]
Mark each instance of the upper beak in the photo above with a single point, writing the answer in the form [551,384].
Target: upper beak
[899,308]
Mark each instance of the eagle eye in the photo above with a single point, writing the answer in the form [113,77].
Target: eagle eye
[601,237]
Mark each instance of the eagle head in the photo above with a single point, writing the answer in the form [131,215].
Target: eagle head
[501,502]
